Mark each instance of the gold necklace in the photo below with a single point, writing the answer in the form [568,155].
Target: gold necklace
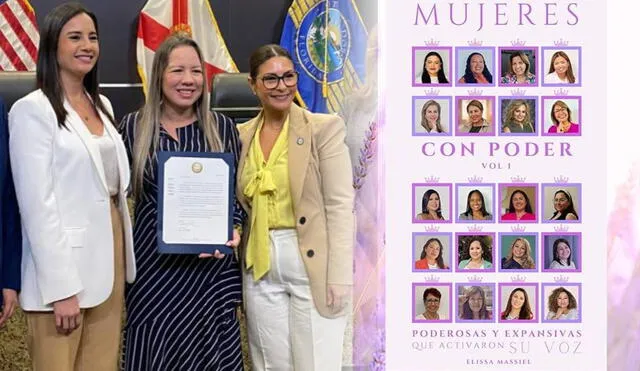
[562,128]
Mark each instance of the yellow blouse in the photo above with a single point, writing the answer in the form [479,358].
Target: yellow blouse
[265,184]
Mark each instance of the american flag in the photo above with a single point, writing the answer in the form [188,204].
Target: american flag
[19,36]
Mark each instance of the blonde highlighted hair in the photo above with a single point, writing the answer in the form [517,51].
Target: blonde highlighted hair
[527,262]
[510,111]
[147,135]
[424,122]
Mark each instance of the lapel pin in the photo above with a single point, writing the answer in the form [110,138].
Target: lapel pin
[300,141]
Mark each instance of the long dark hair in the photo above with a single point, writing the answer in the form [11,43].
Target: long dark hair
[439,259]
[556,257]
[468,75]
[148,124]
[527,208]
[525,311]
[569,210]
[487,254]
[425,202]
[426,79]
[560,54]
[48,70]
[483,209]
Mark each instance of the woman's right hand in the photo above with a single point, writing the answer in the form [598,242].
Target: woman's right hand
[231,243]
[67,312]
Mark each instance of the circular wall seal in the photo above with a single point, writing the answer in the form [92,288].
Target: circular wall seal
[315,55]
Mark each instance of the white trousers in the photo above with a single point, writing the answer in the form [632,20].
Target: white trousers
[285,330]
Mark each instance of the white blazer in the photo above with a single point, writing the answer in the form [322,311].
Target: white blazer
[62,192]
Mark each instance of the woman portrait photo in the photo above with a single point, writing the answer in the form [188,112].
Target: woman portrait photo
[475,303]
[432,302]
[475,208]
[431,66]
[431,203]
[432,254]
[561,69]
[475,252]
[520,304]
[518,116]
[517,253]
[433,116]
[562,303]
[519,67]
[559,204]
[562,252]
[433,70]
[521,207]
[563,116]
[477,68]
[475,116]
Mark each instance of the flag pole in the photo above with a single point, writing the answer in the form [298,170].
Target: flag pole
[325,92]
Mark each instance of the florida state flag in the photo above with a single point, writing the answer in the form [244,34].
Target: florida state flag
[160,18]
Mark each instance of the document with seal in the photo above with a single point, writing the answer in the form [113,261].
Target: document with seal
[195,202]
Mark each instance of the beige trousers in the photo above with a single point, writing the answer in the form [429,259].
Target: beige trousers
[94,346]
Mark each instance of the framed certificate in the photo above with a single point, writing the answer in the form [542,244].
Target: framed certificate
[195,202]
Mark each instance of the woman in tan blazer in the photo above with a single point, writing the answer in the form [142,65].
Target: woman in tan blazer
[295,181]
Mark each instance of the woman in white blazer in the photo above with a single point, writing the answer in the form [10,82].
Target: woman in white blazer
[71,175]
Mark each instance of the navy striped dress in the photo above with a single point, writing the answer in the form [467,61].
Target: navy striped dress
[181,310]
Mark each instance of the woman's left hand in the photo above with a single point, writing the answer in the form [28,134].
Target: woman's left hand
[337,297]
[231,243]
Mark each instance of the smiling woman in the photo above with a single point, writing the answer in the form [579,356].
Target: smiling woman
[433,69]
[561,117]
[71,175]
[518,117]
[476,118]
[295,181]
[560,69]
[193,310]
[476,207]
[520,69]
[431,299]
[518,306]
[520,207]
[476,70]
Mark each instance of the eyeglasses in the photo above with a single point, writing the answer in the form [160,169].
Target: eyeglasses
[432,301]
[271,81]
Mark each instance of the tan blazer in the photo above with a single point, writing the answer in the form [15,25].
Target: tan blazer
[320,180]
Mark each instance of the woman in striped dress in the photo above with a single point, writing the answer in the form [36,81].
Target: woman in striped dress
[181,311]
